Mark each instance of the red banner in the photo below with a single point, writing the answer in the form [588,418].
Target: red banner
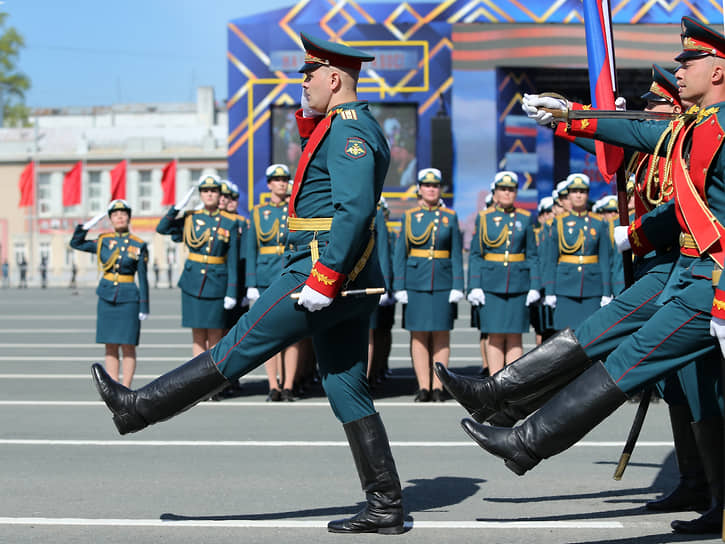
[26,186]
[72,185]
[168,184]
[118,181]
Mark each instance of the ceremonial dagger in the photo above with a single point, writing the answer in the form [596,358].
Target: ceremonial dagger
[353,292]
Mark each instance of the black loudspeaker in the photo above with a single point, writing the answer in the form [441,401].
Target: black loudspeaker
[441,155]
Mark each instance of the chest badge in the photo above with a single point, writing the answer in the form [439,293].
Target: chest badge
[445,220]
[497,220]
[419,216]
[266,214]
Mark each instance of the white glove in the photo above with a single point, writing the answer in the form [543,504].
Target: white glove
[307,111]
[252,293]
[621,238]
[401,296]
[620,103]
[550,300]
[455,296]
[142,316]
[313,300]
[88,225]
[229,303]
[185,200]
[386,299]
[605,300]
[532,104]
[532,296]
[717,329]
[476,297]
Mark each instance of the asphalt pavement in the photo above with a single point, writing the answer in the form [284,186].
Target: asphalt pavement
[243,470]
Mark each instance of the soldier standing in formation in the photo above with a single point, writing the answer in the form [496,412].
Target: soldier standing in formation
[428,280]
[209,280]
[503,276]
[338,184]
[122,304]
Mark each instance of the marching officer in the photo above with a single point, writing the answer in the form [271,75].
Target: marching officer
[428,280]
[338,183]
[209,280]
[503,276]
[578,259]
[122,304]
[265,247]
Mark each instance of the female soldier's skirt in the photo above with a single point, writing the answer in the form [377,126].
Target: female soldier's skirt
[429,311]
[504,314]
[202,313]
[117,323]
[571,311]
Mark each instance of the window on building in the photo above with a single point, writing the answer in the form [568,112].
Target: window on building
[145,191]
[95,192]
[44,195]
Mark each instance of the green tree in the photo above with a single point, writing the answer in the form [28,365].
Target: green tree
[13,83]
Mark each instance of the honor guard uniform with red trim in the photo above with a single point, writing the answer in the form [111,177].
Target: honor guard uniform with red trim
[210,270]
[578,264]
[428,263]
[267,237]
[663,330]
[503,263]
[121,257]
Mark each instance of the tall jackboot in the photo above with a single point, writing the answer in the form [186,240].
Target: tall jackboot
[370,448]
[709,437]
[545,368]
[163,398]
[570,414]
[692,491]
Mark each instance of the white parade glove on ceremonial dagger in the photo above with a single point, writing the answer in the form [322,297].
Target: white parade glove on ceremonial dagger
[401,296]
[252,293]
[229,303]
[621,238]
[88,225]
[532,296]
[185,200]
[307,111]
[532,105]
[477,297]
[313,300]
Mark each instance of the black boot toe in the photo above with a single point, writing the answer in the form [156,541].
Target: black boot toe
[502,443]
[119,399]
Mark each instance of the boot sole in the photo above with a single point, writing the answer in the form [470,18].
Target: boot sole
[397,530]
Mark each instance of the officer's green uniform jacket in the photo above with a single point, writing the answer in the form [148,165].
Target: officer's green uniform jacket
[503,256]
[119,254]
[428,254]
[206,235]
[266,243]
[578,257]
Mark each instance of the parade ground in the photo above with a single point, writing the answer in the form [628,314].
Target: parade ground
[245,470]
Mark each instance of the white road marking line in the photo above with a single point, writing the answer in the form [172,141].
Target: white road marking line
[282,443]
[306,524]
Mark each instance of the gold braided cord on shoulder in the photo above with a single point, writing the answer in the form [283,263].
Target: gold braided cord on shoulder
[415,240]
[263,237]
[105,267]
[563,246]
[483,235]
[667,184]
[611,231]
[190,237]
[653,186]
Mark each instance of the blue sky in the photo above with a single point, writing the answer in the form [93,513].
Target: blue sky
[94,52]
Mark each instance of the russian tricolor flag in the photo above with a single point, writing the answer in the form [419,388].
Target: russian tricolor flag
[600,52]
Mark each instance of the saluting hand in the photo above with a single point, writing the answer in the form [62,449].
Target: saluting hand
[88,225]
[185,200]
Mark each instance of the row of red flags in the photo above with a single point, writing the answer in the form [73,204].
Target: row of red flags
[72,184]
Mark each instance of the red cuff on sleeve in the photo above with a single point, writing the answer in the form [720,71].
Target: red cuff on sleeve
[718,304]
[305,125]
[325,280]
[584,128]
[561,132]
[637,239]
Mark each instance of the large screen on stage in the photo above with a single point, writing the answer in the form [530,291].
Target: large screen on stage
[400,125]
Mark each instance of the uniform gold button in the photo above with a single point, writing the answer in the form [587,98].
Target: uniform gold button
[203,270]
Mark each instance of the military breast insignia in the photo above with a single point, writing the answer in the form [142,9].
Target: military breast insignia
[355,148]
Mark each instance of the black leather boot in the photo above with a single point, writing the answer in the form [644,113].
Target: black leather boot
[163,398]
[570,414]
[370,448]
[692,492]
[545,368]
[709,437]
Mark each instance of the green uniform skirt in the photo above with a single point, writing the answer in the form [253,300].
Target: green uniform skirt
[504,314]
[429,311]
[202,313]
[117,323]
[572,311]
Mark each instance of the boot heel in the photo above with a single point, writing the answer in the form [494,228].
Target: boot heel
[512,466]
[397,530]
